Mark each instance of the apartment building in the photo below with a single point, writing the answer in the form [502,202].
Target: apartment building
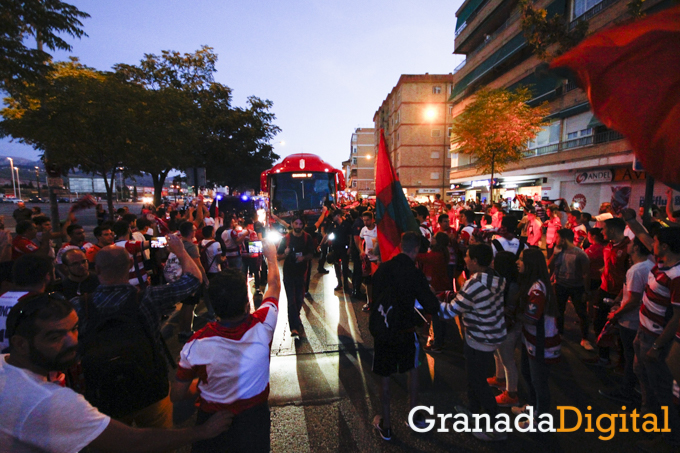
[360,173]
[575,157]
[417,123]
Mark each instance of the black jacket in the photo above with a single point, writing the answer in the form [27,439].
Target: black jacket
[410,282]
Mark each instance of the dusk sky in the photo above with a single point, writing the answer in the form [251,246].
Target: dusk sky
[327,66]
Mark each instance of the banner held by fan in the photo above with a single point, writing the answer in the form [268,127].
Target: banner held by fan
[631,74]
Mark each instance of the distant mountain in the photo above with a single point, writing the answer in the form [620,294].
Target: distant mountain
[20,162]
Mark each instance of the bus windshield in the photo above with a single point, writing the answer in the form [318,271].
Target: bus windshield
[301,191]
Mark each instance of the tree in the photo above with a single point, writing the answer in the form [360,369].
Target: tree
[43,20]
[232,143]
[496,128]
[78,117]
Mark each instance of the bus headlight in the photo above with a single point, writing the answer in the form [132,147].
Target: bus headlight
[331,236]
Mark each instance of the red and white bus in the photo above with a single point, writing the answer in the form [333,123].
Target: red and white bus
[301,183]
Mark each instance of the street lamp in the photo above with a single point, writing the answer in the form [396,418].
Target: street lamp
[11,164]
[18,182]
[37,179]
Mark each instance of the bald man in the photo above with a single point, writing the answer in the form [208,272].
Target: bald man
[116,295]
[78,280]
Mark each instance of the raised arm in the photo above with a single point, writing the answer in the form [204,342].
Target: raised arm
[188,265]
[273,277]
[637,228]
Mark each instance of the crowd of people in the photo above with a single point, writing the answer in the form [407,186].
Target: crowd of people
[81,323]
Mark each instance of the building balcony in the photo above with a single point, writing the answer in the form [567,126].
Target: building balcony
[602,137]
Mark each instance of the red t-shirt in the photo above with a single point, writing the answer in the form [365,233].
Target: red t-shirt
[433,265]
[596,256]
[615,266]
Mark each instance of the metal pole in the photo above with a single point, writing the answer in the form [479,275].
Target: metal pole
[18,182]
[649,195]
[37,181]
[11,165]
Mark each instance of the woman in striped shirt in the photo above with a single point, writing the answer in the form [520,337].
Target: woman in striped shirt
[541,339]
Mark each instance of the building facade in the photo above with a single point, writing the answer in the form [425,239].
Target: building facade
[417,123]
[360,172]
[575,157]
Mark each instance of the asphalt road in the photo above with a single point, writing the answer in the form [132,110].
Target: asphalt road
[324,395]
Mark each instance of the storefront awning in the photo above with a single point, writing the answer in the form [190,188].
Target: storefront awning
[467,12]
[594,122]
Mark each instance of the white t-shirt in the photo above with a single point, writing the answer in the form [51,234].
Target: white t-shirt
[371,240]
[139,237]
[40,416]
[508,246]
[7,301]
[636,281]
[214,250]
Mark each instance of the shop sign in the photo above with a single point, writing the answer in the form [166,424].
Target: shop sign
[594,176]
[628,174]
[579,201]
[480,183]
[428,190]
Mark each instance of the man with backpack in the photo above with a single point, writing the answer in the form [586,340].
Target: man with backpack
[296,249]
[506,239]
[117,321]
[397,286]
[211,252]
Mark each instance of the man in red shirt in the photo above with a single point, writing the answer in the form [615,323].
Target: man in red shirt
[23,242]
[613,277]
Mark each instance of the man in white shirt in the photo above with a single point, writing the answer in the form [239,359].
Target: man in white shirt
[369,234]
[37,412]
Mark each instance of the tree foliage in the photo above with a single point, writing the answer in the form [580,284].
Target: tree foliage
[232,143]
[44,21]
[497,126]
[549,37]
[79,117]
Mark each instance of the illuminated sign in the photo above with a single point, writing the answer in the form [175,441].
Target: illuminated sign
[301,175]
[595,176]
[481,183]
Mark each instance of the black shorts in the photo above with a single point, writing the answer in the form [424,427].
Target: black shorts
[396,357]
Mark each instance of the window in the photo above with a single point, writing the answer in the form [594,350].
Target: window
[449,132]
[549,135]
[450,109]
[436,90]
[354,150]
[581,6]
[354,138]
[436,132]
[397,136]
[434,155]
[434,175]
[354,160]
[577,126]
[354,183]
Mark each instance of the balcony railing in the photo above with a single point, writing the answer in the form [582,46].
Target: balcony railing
[595,10]
[513,17]
[569,86]
[460,66]
[470,17]
[602,137]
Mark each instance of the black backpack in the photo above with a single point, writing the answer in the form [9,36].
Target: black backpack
[389,321]
[123,368]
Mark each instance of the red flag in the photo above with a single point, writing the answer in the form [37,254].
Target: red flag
[393,213]
[631,74]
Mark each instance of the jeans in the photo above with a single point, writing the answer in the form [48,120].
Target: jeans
[252,266]
[656,382]
[295,293]
[601,317]
[506,367]
[479,393]
[563,293]
[235,262]
[629,378]
[536,373]
[249,431]
[357,273]
[342,265]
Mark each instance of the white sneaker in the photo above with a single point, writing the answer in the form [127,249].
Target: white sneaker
[585,344]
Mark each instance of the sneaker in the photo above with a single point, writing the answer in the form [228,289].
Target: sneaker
[418,421]
[294,333]
[385,433]
[617,395]
[309,297]
[519,410]
[505,400]
[496,382]
[366,308]
[490,436]
[597,361]
[585,344]
[432,349]
[322,271]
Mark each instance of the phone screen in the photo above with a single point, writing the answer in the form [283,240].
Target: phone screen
[255,247]
[159,242]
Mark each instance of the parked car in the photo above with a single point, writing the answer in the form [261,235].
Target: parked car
[12,200]
[36,200]
[63,200]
